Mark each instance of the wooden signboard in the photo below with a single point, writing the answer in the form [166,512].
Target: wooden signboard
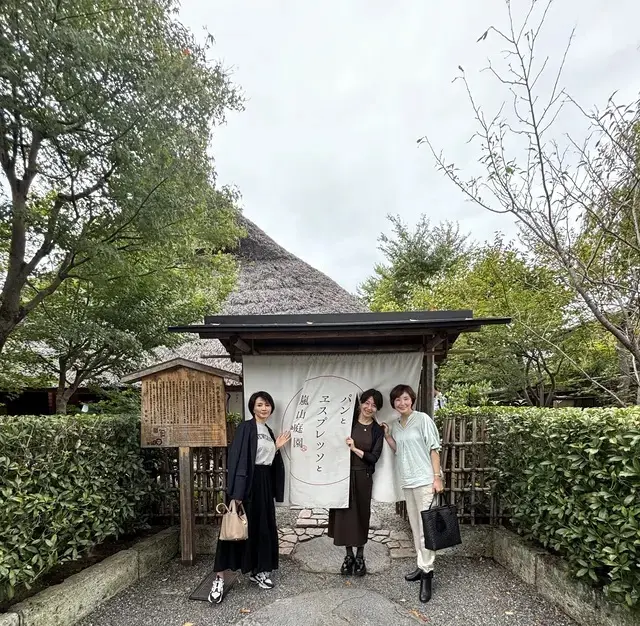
[183,407]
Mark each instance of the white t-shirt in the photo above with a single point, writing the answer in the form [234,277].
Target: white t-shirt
[266,451]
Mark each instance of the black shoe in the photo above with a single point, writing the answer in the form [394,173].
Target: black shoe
[347,565]
[360,568]
[425,587]
[414,576]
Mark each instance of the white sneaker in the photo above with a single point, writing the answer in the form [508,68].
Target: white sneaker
[217,591]
[262,579]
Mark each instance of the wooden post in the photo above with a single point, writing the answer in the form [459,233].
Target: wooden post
[187,512]
[429,377]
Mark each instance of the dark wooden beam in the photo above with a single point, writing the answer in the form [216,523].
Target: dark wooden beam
[312,334]
[187,510]
[429,382]
[240,344]
[338,349]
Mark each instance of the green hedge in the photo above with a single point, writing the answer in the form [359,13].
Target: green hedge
[66,484]
[571,480]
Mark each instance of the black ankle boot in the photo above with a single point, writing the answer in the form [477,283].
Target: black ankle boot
[360,568]
[425,586]
[413,576]
[347,565]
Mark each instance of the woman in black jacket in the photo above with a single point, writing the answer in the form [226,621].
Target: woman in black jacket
[350,527]
[255,478]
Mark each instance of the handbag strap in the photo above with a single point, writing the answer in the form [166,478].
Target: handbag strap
[440,497]
[225,508]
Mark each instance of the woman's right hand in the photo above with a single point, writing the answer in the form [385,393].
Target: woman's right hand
[283,439]
[385,428]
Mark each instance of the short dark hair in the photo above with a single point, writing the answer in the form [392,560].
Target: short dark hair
[265,396]
[398,390]
[372,393]
[364,396]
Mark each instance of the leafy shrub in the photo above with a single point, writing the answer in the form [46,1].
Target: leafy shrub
[117,401]
[571,480]
[66,484]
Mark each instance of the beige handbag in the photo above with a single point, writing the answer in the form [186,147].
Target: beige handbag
[234,522]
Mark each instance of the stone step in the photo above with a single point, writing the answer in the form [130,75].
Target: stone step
[313,518]
[399,543]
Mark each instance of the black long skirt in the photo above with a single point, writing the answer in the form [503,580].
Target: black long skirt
[259,553]
[350,527]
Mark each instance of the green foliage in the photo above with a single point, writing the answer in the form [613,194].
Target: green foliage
[118,402]
[413,259]
[66,484]
[106,113]
[89,328]
[234,418]
[547,347]
[574,198]
[471,394]
[524,359]
[570,479]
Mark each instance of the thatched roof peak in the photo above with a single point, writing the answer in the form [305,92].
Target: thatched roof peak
[271,280]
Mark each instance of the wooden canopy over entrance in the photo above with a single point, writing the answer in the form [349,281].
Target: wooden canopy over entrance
[433,332]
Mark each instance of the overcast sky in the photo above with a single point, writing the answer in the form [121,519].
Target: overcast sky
[338,91]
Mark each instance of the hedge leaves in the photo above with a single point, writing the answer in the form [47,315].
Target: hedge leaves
[66,484]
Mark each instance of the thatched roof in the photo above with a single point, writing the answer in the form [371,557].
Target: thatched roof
[271,280]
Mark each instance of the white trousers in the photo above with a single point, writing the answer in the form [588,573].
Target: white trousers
[419,499]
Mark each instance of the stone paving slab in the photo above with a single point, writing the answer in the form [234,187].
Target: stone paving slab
[332,608]
[322,557]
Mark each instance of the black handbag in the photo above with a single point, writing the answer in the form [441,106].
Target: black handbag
[441,526]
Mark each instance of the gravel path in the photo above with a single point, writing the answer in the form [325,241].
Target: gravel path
[467,592]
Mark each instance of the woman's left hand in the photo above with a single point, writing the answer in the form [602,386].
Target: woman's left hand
[438,486]
[282,439]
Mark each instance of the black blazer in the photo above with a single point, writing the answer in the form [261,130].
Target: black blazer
[377,439]
[241,461]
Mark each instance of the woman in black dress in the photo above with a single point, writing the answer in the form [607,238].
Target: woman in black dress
[255,478]
[350,527]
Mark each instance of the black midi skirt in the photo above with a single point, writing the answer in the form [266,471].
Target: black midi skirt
[350,527]
[259,553]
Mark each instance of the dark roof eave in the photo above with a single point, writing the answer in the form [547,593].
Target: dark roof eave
[217,331]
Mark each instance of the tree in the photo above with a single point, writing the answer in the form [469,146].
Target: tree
[413,259]
[106,110]
[548,346]
[577,201]
[93,331]
[525,360]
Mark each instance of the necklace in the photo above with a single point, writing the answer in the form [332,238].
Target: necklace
[365,425]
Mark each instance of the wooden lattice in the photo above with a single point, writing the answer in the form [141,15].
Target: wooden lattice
[209,484]
[183,407]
